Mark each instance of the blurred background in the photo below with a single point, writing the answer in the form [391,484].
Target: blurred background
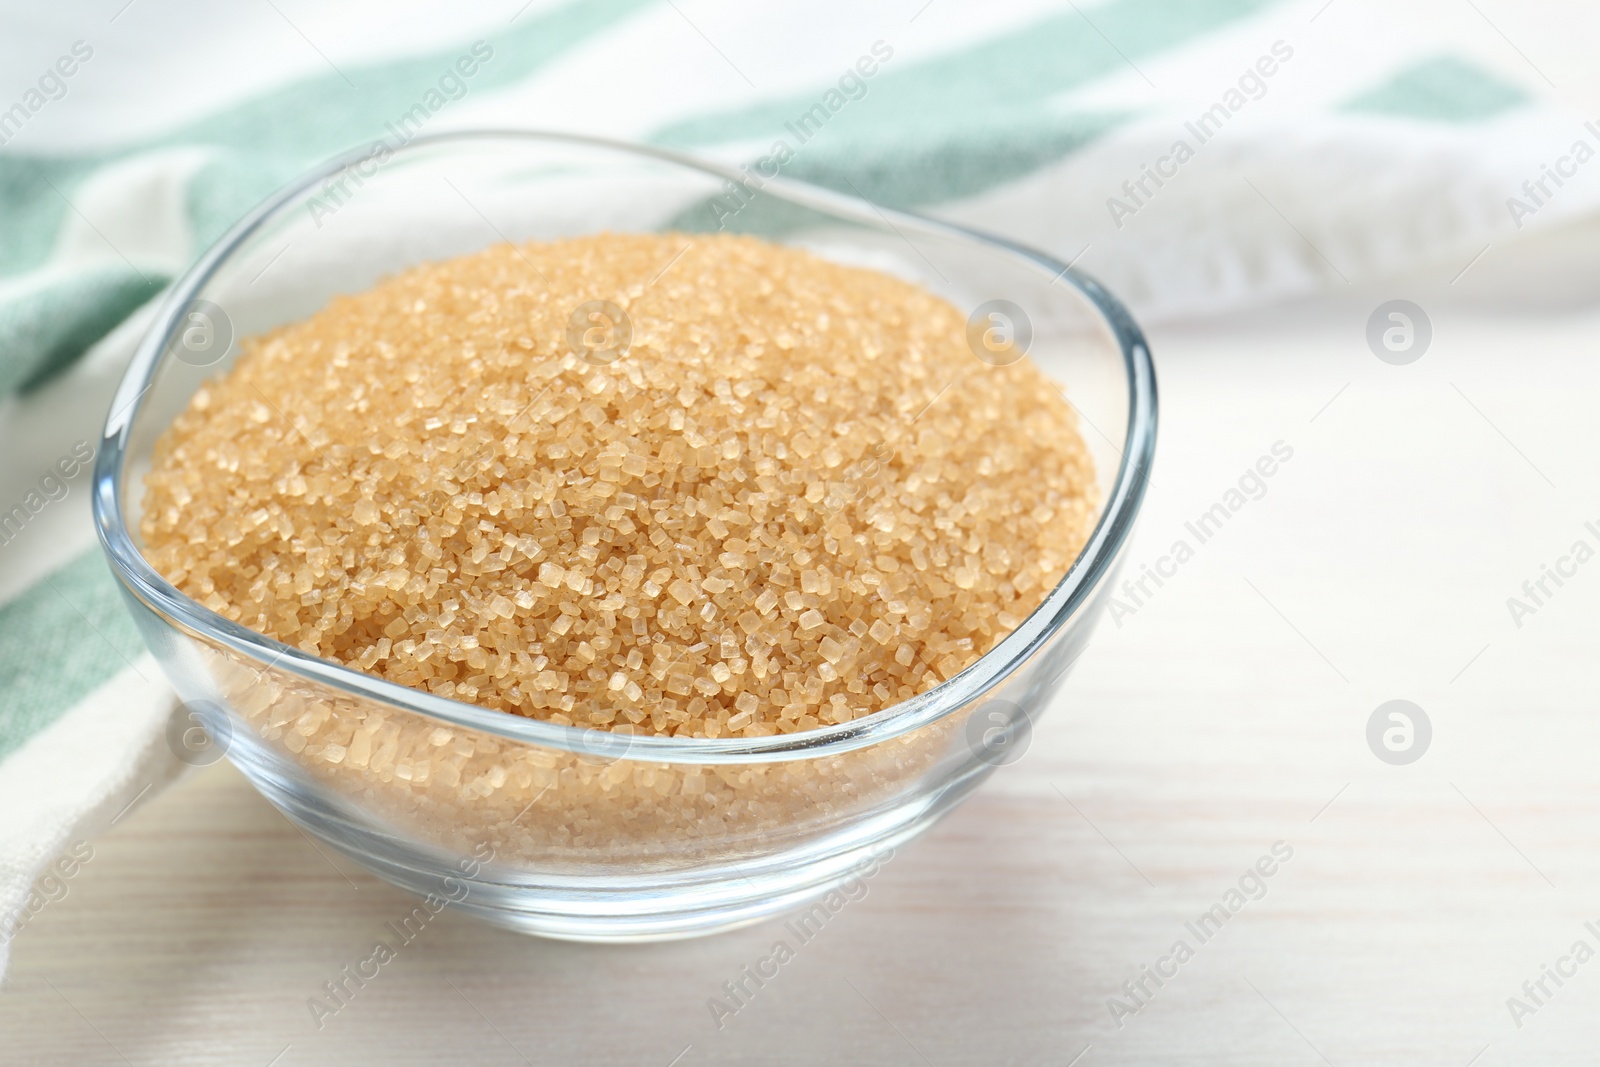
[1363,231]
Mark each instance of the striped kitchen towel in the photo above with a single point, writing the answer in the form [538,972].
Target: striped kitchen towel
[1196,155]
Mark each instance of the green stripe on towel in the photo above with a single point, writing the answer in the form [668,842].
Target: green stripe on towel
[959,124]
[1444,89]
[60,640]
[53,325]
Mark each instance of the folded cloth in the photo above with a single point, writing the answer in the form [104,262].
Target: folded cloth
[1195,155]
[84,711]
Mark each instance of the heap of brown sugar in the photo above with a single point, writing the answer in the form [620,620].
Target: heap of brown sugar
[796,498]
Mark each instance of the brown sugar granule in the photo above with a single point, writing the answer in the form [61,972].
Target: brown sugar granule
[797,498]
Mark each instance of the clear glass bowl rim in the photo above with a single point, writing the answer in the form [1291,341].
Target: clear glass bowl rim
[1074,590]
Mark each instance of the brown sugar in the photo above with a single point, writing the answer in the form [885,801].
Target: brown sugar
[780,493]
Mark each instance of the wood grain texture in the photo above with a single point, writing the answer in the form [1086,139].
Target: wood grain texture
[1227,713]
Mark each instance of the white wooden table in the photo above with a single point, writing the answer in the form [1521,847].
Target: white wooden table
[1226,714]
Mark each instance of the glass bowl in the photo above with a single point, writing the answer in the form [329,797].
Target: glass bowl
[564,831]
